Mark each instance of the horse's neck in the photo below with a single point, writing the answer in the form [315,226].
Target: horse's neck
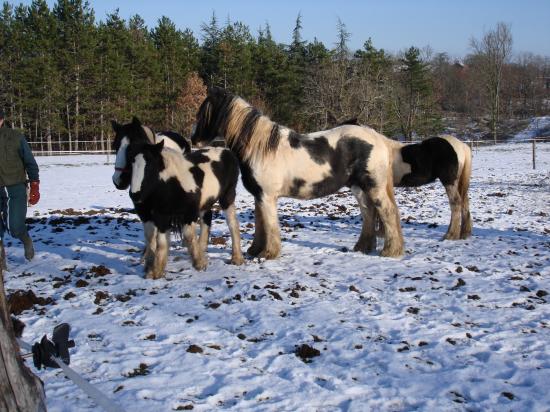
[258,137]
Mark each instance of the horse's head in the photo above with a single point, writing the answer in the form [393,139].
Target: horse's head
[126,134]
[145,163]
[212,116]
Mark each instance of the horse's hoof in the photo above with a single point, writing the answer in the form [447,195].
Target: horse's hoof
[270,254]
[237,260]
[450,237]
[200,265]
[254,250]
[364,248]
[392,252]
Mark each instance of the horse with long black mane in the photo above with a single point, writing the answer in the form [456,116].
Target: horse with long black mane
[278,162]
[172,191]
[445,158]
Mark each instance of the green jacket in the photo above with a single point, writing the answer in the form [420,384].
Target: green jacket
[16,159]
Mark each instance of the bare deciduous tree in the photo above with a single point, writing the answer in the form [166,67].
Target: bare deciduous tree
[494,49]
[189,101]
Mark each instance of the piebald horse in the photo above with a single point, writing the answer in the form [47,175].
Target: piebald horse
[445,158]
[178,190]
[278,162]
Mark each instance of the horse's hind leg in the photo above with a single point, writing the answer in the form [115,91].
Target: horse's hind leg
[384,202]
[271,227]
[160,255]
[466,226]
[367,239]
[197,254]
[233,223]
[206,223]
[455,202]
[148,257]
[258,243]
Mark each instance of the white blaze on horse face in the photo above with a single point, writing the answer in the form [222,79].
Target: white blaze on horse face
[120,162]
[138,173]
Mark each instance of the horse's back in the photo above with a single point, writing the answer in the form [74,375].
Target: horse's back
[173,141]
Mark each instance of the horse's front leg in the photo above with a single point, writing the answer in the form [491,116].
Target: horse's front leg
[367,239]
[455,202]
[160,255]
[272,232]
[233,223]
[205,225]
[150,231]
[258,243]
[198,257]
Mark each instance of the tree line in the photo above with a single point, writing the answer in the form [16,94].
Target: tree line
[64,76]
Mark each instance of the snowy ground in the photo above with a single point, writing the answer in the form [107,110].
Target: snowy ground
[461,325]
[539,126]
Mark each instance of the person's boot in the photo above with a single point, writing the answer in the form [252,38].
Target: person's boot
[29,248]
[3,263]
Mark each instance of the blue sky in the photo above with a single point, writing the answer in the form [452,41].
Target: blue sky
[393,25]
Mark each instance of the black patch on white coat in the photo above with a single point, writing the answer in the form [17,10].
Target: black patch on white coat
[348,163]
[181,141]
[430,159]
[297,185]
[166,203]
[226,171]
[249,182]
[274,138]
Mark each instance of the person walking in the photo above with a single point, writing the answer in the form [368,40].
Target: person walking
[17,166]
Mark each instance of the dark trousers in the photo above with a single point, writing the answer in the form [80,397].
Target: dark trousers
[13,210]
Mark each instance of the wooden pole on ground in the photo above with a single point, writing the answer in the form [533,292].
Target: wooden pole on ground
[20,389]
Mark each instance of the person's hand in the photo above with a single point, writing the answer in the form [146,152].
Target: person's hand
[34,195]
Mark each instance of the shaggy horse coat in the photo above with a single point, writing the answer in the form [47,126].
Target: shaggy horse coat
[121,177]
[174,191]
[133,138]
[278,162]
[445,158]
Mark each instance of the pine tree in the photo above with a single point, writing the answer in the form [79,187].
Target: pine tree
[413,103]
[76,42]
[178,56]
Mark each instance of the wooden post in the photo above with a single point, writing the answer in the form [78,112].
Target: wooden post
[20,389]
[534,154]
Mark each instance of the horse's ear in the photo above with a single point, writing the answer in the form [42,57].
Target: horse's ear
[159,146]
[136,122]
[116,125]
[216,91]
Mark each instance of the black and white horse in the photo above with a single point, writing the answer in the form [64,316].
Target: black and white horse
[445,158]
[278,162]
[141,134]
[175,191]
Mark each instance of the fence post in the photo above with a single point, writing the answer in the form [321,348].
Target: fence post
[534,154]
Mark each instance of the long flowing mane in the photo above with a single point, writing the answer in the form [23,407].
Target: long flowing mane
[246,130]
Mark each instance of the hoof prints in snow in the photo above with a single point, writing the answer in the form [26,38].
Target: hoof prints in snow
[452,324]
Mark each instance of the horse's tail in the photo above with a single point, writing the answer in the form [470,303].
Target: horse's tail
[464,179]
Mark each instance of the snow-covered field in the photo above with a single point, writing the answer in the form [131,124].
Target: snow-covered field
[453,325]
